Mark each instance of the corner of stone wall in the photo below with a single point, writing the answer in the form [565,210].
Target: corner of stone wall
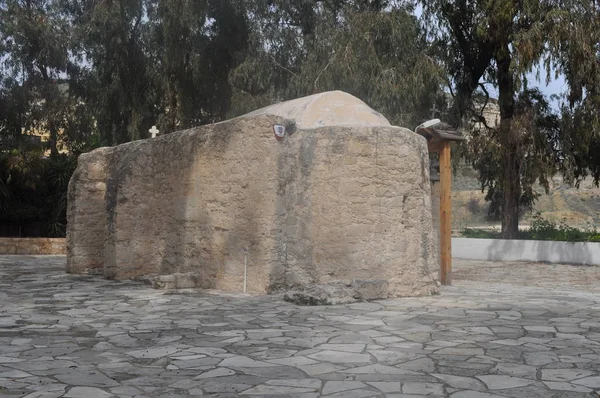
[86,213]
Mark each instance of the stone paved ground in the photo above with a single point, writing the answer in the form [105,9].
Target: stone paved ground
[83,336]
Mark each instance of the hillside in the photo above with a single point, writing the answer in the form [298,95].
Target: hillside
[579,207]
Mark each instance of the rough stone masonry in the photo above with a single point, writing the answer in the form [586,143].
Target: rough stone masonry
[337,210]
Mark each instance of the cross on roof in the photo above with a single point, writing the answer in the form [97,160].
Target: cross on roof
[434,111]
[154,131]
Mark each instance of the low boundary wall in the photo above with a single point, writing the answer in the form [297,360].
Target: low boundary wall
[33,246]
[527,250]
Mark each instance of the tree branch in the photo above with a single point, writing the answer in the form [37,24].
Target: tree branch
[323,71]
[481,118]
[281,66]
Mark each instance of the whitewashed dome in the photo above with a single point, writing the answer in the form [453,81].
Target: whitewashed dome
[331,108]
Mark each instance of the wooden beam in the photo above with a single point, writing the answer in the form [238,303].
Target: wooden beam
[445,215]
[434,146]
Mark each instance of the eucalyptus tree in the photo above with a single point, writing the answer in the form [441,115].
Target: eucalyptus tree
[374,50]
[34,38]
[501,41]
[195,44]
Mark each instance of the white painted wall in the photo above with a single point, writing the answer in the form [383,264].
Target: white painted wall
[526,250]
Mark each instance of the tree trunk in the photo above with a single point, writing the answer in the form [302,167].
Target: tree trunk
[53,143]
[509,143]
[511,189]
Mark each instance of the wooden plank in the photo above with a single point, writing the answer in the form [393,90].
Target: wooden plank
[434,146]
[445,215]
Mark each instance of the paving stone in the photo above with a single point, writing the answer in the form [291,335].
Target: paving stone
[223,387]
[564,374]
[220,372]
[331,387]
[393,356]
[43,394]
[125,390]
[474,394]
[285,372]
[468,383]
[244,362]
[423,388]
[466,351]
[87,392]
[320,368]
[14,374]
[305,383]
[293,361]
[419,365]
[516,369]
[9,359]
[387,386]
[540,358]
[272,390]
[342,347]
[495,382]
[84,336]
[153,353]
[591,382]
[340,357]
[354,394]
[562,386]
[509,342]
[546,329]
[92,378]
[378,369]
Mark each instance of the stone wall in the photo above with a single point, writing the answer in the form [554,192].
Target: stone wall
[86,227]
[325,205]
[33,246]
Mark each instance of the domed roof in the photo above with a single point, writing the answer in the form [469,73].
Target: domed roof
[331,108]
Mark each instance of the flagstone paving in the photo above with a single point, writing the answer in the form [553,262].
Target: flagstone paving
[83,336]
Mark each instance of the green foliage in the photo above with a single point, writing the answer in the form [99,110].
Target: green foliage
[374,50]
[541,229]
[479,233]
[537,144]
[94,73]
[500,42]
[33,189]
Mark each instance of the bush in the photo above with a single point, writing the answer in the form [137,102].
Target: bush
[479,233]
[542,229]
[33,193]
[474,206]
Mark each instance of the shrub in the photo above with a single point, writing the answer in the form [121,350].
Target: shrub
[542,229]
[479,233]
[474,206]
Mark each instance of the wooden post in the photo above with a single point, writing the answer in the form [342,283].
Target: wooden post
[445,215]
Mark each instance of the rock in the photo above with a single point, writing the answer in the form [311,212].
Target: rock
[177,280]
[372,289]
[339,293]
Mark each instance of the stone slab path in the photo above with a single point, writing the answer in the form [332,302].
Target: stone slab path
[83,336]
